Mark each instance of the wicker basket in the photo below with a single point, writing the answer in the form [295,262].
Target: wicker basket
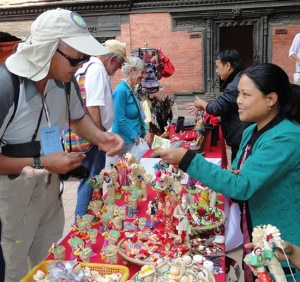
[103,269]
[199,229]
[130,259]
[209,276]
[137,261]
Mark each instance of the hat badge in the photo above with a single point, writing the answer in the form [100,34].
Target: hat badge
[77,19]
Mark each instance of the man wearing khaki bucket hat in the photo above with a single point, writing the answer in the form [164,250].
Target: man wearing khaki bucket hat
[40,74]
[99,105]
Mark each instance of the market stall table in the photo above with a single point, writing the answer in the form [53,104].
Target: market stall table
[214,154]
[102,242]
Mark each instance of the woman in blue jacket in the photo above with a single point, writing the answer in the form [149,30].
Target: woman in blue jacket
[266,171]
[128,120]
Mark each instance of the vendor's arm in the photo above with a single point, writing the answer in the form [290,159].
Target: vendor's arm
[251,178]
[111,143]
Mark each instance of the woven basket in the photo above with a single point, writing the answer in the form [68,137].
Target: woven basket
[103,269]
[137,261]
[209,276]
[204,228]
[128,258]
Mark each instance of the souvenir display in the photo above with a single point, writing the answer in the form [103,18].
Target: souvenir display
[151,221]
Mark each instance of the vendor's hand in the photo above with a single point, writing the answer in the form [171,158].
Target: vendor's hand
[111,143]
[61,162]
[288,249]
[171,155]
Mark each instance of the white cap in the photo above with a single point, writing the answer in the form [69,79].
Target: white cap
[32,58]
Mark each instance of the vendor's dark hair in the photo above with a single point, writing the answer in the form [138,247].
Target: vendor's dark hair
[232,56]
[271,78]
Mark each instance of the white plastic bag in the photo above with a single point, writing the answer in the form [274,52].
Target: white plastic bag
[140,149]
[233,233]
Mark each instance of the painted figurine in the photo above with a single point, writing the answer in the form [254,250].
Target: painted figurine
[257,261]
[268,236]
[181,212]
[152,211]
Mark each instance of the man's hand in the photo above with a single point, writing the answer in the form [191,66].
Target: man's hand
[198,105]
[61,162]
[111,143]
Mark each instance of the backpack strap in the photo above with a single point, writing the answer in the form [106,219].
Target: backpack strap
[81,82]
[16,89]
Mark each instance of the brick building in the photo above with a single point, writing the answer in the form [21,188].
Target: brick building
[188,31]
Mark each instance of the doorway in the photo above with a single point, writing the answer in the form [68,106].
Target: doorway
[239,38]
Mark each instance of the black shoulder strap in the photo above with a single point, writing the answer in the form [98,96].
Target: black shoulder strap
[77,90]
[16,88]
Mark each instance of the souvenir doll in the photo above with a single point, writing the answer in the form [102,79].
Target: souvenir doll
[152,211]
[181,212]
[96,182]
[177,173]
[168,209]
[268,237]
[257,261]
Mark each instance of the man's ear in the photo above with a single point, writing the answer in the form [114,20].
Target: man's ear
[228,65]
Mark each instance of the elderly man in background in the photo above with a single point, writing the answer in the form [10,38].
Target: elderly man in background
[99,104]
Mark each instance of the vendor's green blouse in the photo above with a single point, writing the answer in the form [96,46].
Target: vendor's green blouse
[270,178]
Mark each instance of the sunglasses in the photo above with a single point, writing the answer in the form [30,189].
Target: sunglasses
[75,62]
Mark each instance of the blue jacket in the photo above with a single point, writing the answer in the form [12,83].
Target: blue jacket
[270,178]
[127,116]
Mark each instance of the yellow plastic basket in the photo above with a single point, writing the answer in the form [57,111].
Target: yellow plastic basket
[101,268]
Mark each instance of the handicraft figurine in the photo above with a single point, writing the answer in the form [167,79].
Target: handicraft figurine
[207,196]
[96,182]
[167,214]
[110,181]
[152,211]
[196,145]
[257,260]
[266,239]
[182,212]
[140,179]
[168,188]
[176,172]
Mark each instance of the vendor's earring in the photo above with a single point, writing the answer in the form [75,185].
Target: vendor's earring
[269,108]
